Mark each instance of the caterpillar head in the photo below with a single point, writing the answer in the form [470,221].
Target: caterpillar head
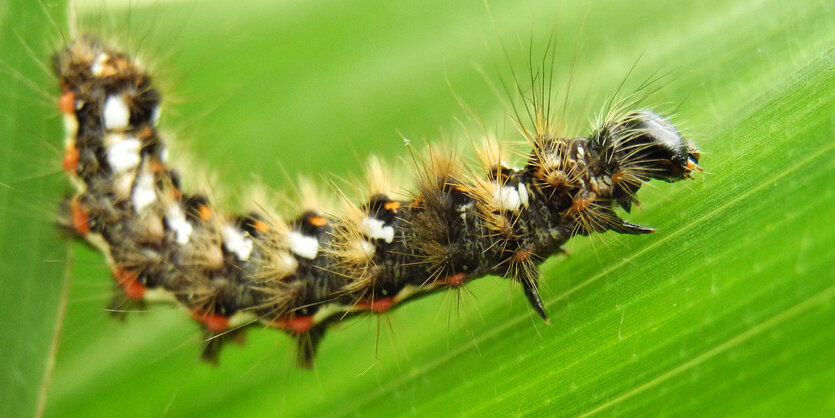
[643,145]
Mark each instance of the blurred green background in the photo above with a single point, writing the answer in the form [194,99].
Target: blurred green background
[728,309]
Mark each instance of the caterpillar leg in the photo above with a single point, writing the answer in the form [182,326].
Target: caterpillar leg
[120,304]
[216,341]
[307,344]
[532,293]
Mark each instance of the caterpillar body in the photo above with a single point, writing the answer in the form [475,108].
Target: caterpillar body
[301,276]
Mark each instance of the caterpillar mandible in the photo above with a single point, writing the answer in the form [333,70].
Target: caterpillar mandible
[303,275]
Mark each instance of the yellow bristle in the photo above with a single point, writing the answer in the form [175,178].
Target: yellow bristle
[490,210]
[490,154]
[204,249]
[380,180]
[352,248]
[312,197]
[281,297]
[434,168]
[278,261]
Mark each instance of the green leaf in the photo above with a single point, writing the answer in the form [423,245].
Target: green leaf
[34,273]
[728,309]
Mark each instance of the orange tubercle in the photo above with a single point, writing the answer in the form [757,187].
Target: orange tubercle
[205,212]
[299,324]
[376,305]
[70,160]
[260,226]
[581,203]
[318,221]
[416,202]
[66,103]
[129,281]
[146,133]
[213,322]
[392,205]
[523,254]
[455,280]
[134,290]
[79,218]
[157,166]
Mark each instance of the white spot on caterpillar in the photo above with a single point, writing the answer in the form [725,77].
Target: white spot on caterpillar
[290,262]
[155,115]
[375,228]
[163,154]
[159,294]
[143,192]
[122,184]
[97,67]
[70,127]
[523,194]
[506,198]
[235,242]
[302,245]
[581,151]
[368,249]
[115,113]
[177,222]
[122,152]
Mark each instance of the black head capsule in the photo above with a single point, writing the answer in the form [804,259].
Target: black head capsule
[648,146]
[675,156]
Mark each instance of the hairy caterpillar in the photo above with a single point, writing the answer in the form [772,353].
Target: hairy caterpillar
[229,272]
[730,295]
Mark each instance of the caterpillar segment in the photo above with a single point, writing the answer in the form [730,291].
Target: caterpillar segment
[230,272]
